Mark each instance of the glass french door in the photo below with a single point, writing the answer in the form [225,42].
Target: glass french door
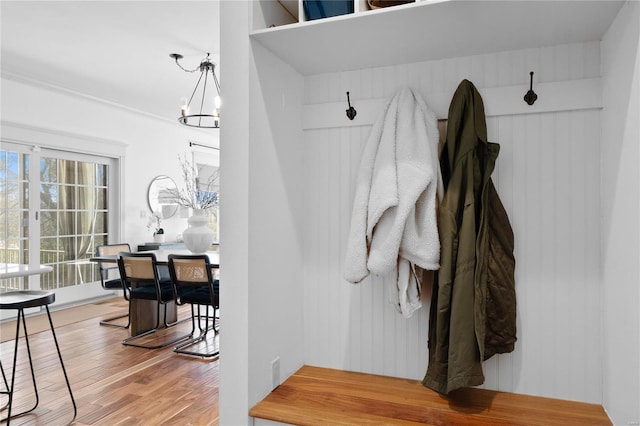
[14,213]
[54,210]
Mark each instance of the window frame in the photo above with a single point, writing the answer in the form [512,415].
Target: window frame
[39,142]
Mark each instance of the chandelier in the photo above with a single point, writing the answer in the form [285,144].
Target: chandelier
[208,115]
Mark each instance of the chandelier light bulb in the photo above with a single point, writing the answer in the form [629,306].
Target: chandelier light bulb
[217,102]
[184,110]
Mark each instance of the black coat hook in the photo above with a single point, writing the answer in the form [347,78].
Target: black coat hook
[351,112]
[531,96]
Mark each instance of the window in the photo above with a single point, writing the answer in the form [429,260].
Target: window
[14,213]
[73,219]
[54,210]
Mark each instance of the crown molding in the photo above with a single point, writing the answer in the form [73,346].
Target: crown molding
[27,134]
[30,81]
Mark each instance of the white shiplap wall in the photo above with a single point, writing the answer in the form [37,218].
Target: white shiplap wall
[548,178]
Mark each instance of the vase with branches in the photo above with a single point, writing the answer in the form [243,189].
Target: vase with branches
[199,196]
[196,194]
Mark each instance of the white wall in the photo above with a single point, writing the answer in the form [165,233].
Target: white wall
[620,216]
[152,144]
[548,178]
[275,218]
[261,220]
[234,215]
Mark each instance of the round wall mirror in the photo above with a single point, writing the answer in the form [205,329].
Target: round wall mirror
[161,196]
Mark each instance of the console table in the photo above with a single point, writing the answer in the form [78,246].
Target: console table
[171,245]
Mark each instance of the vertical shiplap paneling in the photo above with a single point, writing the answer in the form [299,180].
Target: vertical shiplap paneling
[477,69]
[580,240]
[591,64]
[534,243]
[341,155]
[547,176]
[437,73]
[315,90]
[413,77]
[390,80]
[310,225]
[321,273]
[334,292]
[585,257]
[562,246]
[561,58]
[519,216]
[312,302]
[531,63]
[350,153]
[546,73]
[591,365]
[576,58]
[366,84]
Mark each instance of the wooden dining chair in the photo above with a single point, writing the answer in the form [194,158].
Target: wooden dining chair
[193,284]
[139,272]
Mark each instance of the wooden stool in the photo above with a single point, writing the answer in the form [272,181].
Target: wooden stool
[20,300]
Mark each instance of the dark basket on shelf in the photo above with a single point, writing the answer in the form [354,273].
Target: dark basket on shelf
[317,9]
[378,4]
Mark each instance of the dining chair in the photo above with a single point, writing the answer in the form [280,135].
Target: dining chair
[110,278]
[139,272]
[193,284]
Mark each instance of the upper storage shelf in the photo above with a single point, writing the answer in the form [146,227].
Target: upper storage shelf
[427,30]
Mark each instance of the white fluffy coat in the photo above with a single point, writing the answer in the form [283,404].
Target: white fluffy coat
[393,223]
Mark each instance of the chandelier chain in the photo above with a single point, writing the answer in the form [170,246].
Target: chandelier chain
[198,68]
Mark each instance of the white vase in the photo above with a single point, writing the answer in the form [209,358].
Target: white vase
[158,238]
[198,236]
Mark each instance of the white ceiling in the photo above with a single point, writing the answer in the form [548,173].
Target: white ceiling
[114,50]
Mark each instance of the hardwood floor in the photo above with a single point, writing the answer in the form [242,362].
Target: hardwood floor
[112,384]
[116,385]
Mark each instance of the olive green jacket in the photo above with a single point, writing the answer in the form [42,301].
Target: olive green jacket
[473,306]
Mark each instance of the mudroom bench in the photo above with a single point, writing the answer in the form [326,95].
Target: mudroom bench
[314,396]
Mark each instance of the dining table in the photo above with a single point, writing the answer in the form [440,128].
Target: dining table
[162,257]
[143,312]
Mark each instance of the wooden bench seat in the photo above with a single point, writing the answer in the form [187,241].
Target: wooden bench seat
[314,396]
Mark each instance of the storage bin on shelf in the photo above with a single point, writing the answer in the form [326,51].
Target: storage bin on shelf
[317,9]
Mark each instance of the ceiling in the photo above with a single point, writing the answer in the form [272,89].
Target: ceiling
[113,50]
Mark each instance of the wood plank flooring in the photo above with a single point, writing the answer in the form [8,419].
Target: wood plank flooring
[113,384]
[315,396]
[116,385]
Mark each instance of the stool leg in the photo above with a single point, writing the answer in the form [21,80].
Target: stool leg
[66,378]
[13,370]
[6,386]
